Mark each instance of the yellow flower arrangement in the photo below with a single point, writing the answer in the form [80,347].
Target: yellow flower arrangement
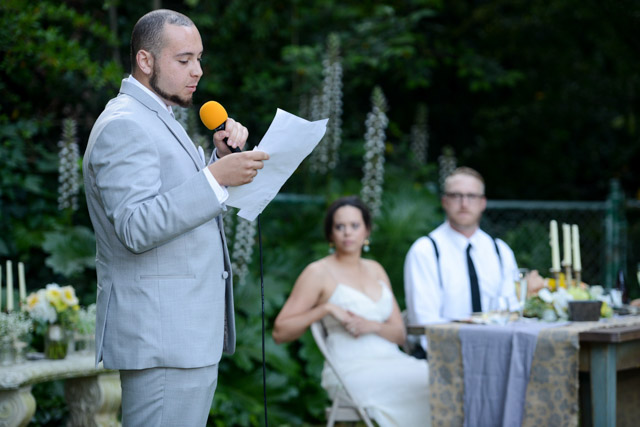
[55,313]
[53,305]
[552,303]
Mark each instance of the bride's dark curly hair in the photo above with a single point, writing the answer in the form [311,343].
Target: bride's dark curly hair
[345,201]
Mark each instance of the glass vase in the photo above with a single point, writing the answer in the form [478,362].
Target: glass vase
[7,352]
[71,342]
[85,343]
[56,342]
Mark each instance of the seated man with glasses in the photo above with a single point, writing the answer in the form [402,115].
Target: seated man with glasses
[458,269]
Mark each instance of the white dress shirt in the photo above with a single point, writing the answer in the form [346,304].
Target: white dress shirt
[429,302]
[221,193]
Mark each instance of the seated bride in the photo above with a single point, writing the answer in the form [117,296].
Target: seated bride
[353,298]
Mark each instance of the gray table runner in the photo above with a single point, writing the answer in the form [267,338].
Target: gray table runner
[492,398]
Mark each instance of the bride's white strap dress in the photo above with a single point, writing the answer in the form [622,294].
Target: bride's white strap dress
[393,386]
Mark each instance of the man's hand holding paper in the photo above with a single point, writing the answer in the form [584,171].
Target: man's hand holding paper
[238,168]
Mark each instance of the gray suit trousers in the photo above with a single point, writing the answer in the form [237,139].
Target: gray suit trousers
[167,397]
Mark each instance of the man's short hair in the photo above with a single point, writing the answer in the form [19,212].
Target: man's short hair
[148,31]
[464,170]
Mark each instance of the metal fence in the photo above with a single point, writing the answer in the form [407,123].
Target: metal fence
[609,234]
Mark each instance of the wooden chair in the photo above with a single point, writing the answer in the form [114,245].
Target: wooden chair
[343,408]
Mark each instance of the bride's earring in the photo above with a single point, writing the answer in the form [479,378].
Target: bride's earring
[332,249]
[366,245]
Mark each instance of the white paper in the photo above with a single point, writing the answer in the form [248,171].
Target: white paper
[288,141]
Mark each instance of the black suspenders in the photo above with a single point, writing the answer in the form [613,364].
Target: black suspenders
[435,249]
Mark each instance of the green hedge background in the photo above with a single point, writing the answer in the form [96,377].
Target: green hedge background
[541,96]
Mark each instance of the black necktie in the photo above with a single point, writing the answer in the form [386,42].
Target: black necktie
[473,281]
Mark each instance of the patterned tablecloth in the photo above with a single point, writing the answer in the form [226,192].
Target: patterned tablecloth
[552,392]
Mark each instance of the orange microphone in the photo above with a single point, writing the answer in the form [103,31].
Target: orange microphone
[214,117]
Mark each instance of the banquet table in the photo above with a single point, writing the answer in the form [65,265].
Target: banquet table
[580,373]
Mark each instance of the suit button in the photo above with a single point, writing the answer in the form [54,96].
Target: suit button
[225,274]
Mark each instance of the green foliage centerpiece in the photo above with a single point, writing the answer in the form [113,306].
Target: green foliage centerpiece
[553,305]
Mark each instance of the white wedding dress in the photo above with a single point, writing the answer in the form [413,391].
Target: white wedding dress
[391,385]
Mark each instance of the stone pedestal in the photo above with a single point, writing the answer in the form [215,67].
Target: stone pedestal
[16,407]
[92,394]
[93,401]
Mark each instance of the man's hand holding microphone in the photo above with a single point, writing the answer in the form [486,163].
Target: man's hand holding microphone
[234,167]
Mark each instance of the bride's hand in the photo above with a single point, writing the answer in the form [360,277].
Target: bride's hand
[357,325]
[339,313]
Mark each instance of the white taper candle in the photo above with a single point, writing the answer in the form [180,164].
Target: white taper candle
[555,246]
[566,242]
[9,286]
[575,236]
[22,286]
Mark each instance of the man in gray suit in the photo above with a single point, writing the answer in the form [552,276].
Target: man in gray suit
[165,300]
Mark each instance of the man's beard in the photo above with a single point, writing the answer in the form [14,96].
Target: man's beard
[153,82]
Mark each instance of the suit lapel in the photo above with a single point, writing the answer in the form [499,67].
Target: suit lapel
[163,114]
[181,135]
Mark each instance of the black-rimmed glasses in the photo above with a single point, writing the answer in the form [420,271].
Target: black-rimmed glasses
[457,197]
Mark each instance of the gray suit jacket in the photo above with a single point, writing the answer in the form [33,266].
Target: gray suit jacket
[165,294]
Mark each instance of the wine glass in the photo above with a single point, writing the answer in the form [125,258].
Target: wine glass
[520,281]
[499,309]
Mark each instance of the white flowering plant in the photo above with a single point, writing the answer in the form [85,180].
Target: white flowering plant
[374,157]
[54,304]
[68,170]
[86,320]
[14,326]
[550,305]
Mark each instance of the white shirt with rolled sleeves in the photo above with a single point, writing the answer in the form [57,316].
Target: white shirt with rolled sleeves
[429,302]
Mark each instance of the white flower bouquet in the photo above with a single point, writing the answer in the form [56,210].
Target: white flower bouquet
[53,305]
